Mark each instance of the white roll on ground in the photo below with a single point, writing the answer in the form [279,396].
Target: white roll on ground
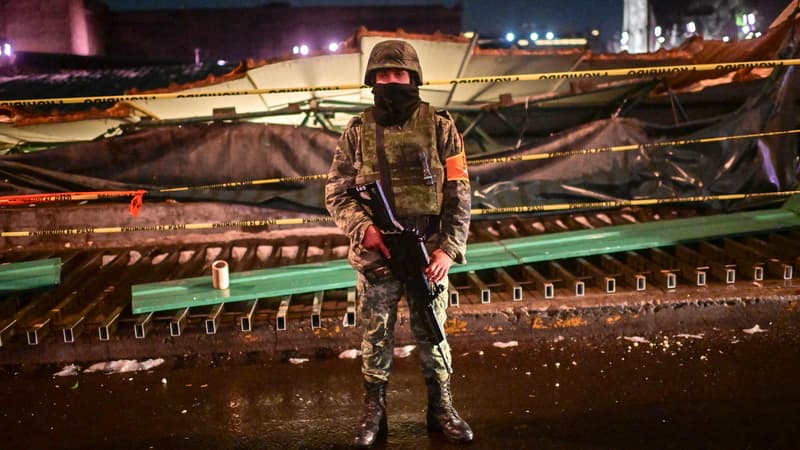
[219,274]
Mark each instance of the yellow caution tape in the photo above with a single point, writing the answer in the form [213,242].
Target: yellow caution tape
[320,219]
[634,72]
[550,155]
[623,203]
[629,147]
[247,183]
[168,227]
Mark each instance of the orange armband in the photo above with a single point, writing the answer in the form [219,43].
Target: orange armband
[456,167]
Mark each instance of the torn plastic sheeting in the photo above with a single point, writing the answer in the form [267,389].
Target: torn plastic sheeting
[736,166]
[189,155]
[196,155]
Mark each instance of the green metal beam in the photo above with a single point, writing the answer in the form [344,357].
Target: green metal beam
[27,275]
[249,285]
[508,252]
[621,238]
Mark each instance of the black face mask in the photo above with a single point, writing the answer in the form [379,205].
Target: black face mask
[395,103]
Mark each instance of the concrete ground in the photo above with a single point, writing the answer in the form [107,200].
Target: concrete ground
[689,368]
[726,380]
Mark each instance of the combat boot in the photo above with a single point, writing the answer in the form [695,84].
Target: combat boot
[442,416]
[373,422]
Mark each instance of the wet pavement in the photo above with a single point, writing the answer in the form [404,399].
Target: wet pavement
[710,387]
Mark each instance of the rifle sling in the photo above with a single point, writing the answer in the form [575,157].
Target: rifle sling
[383,165]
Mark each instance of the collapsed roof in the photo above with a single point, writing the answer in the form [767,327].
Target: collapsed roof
[443,58]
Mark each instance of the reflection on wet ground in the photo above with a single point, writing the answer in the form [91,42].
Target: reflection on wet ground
[715,388]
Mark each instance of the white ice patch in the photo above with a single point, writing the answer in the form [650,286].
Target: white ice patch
[755,329]
[404,351]
[298,360]
[124,365]
[68,371]
[505,344]
[637,339]
[352,353]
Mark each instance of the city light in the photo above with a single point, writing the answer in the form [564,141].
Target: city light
[751,19]
[691,27]
[657,30]
[534,36]
[523,42]
[468,34]
[549,35]
[6,49]
[304,49]
[221,62]
[510,37]
[333,47]
[568,42]
[296,50]
[595,32]
[725,38]
[746,29]
[624,38]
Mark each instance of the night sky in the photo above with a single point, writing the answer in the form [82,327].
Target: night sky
[486,17]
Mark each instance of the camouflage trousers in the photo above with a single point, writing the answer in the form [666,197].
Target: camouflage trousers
[377,312]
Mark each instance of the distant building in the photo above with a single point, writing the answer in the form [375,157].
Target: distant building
[74,27]
[89,28]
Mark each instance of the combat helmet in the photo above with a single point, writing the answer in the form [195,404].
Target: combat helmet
[393,54]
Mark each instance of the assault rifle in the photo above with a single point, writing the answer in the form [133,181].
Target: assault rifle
[409,259]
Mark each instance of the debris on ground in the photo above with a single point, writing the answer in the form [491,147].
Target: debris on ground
[755,329]
[690,336]
[67,371]
[404,351]
[124,366]
[506,344]
[352,353]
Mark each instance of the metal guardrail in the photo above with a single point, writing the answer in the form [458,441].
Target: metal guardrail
[337,274]
[24,276]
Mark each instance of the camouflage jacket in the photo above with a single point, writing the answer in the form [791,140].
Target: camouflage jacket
[353,219]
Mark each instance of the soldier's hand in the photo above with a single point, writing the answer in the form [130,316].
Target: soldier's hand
[438,266]
[373,240]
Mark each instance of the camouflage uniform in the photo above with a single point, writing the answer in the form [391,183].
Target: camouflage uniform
[419,156]
[379,292]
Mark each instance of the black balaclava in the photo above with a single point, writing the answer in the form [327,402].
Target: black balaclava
[395,102]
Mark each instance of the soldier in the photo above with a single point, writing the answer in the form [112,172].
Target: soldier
[418,155]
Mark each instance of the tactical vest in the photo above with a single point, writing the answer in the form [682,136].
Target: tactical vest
[417,174]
